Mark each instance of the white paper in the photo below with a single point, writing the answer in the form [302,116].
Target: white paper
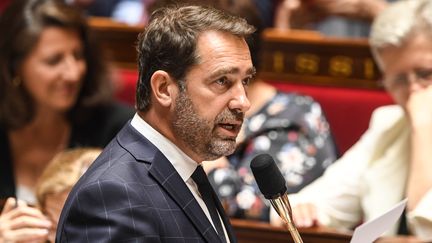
[371,230]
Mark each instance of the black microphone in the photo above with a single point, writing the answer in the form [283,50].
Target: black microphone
[273,186]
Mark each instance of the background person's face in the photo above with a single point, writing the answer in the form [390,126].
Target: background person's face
[209,114]
[53,71]
[403,66]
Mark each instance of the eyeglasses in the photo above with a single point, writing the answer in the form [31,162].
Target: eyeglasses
[422,77]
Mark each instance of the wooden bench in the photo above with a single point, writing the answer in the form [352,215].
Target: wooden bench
[258,232]
[307,57]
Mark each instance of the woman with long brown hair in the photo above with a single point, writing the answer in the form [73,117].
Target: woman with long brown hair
[54,94]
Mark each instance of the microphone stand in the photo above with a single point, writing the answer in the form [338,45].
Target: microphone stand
[283,208]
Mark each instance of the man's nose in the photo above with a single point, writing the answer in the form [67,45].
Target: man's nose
[239,101]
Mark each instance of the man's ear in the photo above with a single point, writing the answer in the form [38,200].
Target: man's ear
[164,88]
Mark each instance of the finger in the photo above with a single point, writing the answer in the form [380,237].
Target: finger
[29,222]
[312,212]
[20,203]
[303,217]
[25,235]
[24,210]
[42,240]
[9,205]
[315,218]
[296,214]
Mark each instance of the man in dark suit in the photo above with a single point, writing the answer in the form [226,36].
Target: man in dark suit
[146,186]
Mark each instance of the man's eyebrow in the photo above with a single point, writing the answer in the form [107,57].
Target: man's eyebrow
[251,71]
[224,71]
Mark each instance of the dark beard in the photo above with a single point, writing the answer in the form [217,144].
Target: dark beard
[199,134]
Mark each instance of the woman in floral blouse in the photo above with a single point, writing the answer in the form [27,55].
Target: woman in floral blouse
[290,127]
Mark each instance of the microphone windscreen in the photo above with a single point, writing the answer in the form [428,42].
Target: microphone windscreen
[268,176]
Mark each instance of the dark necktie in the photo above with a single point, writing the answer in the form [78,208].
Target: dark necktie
[208,196]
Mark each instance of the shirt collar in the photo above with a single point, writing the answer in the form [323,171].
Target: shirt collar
[182,163]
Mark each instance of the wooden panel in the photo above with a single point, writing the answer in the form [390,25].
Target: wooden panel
[304,57]
[258,232]
[309,58]
[118,40]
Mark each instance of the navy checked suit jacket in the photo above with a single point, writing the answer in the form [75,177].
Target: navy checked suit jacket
[132,193]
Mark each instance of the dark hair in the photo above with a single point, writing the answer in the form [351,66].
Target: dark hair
[163,3]
[169,42]
[21,26]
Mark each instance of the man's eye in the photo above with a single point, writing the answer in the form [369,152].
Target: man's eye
[222,81]
[247,81]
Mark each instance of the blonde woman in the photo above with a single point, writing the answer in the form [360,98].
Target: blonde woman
[58,179]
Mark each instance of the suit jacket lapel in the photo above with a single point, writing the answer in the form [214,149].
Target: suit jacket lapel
[165,174]
[170,180]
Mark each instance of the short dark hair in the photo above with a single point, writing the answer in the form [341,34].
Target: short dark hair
[169,42]
[163,3]
[21,25]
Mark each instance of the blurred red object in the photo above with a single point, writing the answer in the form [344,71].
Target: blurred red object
[3,5]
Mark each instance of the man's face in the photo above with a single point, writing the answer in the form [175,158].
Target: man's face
[407,68]
[208,115]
